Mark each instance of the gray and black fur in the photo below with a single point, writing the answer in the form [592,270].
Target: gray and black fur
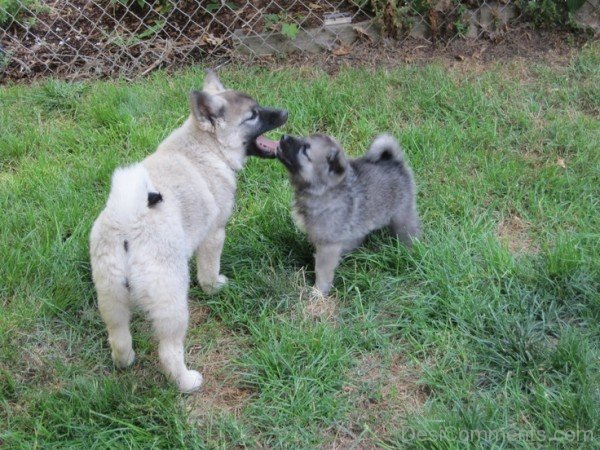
[338,202]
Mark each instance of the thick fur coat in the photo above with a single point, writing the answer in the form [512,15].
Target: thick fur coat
[161,211]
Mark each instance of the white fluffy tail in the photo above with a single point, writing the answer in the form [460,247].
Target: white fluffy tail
[385,147]
[129,191]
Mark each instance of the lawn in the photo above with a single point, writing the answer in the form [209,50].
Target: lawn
[486,334]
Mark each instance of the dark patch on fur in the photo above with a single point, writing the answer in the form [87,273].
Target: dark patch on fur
[127,286]
[335,163]
[126,245]
[386,155]
[154,198]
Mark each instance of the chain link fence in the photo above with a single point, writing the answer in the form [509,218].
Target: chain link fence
[128,38]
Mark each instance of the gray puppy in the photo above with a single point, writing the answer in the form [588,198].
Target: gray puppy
[339,201]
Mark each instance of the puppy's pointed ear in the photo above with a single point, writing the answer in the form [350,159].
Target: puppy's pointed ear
[337,161]
[212,84]
[206,108]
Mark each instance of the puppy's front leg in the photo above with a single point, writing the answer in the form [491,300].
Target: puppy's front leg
[209,261]
[327,259]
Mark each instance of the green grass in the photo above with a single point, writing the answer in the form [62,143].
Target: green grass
[485,335]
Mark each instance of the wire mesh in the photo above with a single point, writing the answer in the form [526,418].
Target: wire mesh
[128,38]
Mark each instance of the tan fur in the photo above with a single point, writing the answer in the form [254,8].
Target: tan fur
[140,252]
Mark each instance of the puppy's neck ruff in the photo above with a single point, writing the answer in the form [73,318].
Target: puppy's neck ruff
[307,190]
[209,141]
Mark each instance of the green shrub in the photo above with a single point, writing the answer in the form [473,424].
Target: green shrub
[10,9]
[446,19]
[547,13]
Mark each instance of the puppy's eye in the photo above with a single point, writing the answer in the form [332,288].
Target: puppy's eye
[254,115]
[304,151]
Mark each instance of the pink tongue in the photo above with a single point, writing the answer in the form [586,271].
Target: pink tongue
[267,144]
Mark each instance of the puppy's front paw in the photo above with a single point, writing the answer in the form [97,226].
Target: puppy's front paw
[190,381]
[315,294]
[211,288]
[323,288]
[124,359]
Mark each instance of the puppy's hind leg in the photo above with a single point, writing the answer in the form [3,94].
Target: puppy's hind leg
[113,303]
[168,310]
[406,225]
[209,261]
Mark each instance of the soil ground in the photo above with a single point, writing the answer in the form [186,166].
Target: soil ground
[521,42]
[69,40]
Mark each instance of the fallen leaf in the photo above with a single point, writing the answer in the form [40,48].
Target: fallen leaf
[211,39]
[315,6]
[342,50]
[561,163]
[460,57]
[362,33]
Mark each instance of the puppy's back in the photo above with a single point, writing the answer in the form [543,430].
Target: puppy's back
[385,180]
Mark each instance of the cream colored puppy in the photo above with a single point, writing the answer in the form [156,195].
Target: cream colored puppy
[159,212]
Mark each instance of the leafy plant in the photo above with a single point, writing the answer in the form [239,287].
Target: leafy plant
[215,6]
[281,22]
[272,20]
[396,16]
[10,9]
[574,5]
[290,30]
[152,30]
[546,13]
[461,24]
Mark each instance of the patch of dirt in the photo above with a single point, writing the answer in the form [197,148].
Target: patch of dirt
[222,391]
[520,42]
[316,306]
[34,366]
[40,350]
[513,232]
[384,395]
[312,305]
[399,388]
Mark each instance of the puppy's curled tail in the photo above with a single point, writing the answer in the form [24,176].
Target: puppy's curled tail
[131,194]
[384,148]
